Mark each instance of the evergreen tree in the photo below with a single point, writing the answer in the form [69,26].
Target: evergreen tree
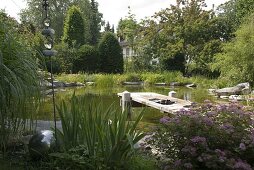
[95,23]
[113,29]
[74,32]
[107,27]
[58,10]
[110,52]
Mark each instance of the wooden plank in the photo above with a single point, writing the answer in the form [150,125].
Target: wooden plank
[149,99]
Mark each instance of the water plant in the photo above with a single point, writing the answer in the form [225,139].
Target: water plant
[106,137]
[149,78]
[105,80]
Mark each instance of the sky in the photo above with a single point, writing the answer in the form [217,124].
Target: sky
[112,10]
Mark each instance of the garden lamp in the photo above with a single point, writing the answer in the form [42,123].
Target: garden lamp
[48,33]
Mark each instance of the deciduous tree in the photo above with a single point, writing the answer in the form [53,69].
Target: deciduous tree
[236,61]
[183,30]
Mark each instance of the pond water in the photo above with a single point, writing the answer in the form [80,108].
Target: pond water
[107,96]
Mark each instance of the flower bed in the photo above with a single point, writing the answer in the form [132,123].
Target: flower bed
[207,137]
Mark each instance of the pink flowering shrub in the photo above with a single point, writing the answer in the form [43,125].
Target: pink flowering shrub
[208,137]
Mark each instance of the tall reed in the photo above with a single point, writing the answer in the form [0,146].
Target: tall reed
[18,82]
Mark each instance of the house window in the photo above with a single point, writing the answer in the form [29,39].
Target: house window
[127,52]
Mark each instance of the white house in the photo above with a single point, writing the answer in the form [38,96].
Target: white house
[128,52]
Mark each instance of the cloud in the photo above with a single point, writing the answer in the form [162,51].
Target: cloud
[114,10]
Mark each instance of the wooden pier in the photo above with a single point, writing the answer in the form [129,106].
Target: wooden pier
[167,104]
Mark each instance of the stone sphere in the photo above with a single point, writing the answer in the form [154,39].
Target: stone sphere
[41,144]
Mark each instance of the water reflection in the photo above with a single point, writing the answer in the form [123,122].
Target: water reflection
[107,96]
[187,96]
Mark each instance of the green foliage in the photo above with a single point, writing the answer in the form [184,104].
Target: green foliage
[87,60]
[236,61]
[141,161]
[174,76]
[19,81]
[108,28]
[58,11]
[151,78]
[233,13]
[133,77]
[66,56]
[71,78]
[127,28]
[74,27]
[56,65]
[112,80]
[106,137]
[110,52]
[182,31]
[145,46]
[78,158]
[95,22]
[75,158]
[176,63]
[104,80]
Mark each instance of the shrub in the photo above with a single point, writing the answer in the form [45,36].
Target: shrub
[208,137]
[133,77]
[110,52]
[87,60]
[66,56]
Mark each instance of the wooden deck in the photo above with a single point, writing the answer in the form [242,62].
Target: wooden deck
[161,102]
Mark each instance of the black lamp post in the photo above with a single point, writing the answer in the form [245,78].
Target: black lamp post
[48,52]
